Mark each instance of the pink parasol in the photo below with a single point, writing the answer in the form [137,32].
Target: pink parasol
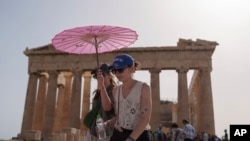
[94,39]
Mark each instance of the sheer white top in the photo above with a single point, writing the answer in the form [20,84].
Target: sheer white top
[129,107]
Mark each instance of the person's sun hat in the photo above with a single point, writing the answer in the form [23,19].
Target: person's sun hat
[105,68]
[122,61]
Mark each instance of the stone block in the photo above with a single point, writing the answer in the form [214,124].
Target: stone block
[60,137]
[70,130]
[30,135]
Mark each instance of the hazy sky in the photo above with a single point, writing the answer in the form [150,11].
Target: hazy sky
[30,23]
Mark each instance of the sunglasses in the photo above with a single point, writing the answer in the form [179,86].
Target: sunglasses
[121,70]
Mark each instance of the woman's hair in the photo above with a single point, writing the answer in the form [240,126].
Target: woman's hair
[185,121]
[112,79]
[137,65]
[174,125]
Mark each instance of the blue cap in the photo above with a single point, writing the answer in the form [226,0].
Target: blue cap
[122,61]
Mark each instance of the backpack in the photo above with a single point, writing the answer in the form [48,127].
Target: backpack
[90,117]
[160,135]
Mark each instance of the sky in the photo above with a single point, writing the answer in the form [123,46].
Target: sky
[32,24]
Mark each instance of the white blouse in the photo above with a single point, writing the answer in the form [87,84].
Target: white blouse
[129,107]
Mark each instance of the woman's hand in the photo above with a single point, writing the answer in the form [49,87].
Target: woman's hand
[100,80]
[106,124]
[118,127]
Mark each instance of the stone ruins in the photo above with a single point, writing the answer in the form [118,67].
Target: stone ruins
[59,87]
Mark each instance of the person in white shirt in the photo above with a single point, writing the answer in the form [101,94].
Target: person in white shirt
[189,131]
[133,102]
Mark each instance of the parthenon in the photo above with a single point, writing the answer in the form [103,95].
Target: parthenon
[59,85]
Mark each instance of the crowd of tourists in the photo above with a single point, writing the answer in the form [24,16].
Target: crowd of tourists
[187,133]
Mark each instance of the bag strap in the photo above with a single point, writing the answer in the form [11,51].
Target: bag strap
[99,101]
[98,104]
[118,108]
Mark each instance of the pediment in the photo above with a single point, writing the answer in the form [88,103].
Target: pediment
[42,48]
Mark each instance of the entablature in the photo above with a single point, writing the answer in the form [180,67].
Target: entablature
[194,55]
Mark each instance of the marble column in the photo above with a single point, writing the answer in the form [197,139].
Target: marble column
[39,108]
[182,107]
[206,102]
[50,105]
[86,97]
[155,88]
[60,100]
[194,97]
[174,112]
[76,100]
[66,101]
[28,114]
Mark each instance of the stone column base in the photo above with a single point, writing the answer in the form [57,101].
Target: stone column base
[30,135]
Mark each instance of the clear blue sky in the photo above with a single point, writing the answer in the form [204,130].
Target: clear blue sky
[31,24]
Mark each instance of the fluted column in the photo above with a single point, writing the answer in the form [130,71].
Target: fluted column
[60,100]
[206,102]
[86,97]
[182,107]
[28,114]
[174,112]
[67,100]
[194,97]
[155,88]
[50,104]
[39,108]
[76,100]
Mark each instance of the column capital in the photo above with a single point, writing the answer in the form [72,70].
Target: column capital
[77,72]
[87,74]
[67,74]
[205,69]
[45,74]
[182,69]
[155,70]
[33,73]
[61,79]
[52,72]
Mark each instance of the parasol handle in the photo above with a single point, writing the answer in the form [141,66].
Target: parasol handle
[97,54]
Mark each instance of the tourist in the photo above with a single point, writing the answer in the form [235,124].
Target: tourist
[159,135]
[105,76]
[176,133]
[188,130]
[133,102]
[225,136]
[151,135]
[205,136]
[216,138]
